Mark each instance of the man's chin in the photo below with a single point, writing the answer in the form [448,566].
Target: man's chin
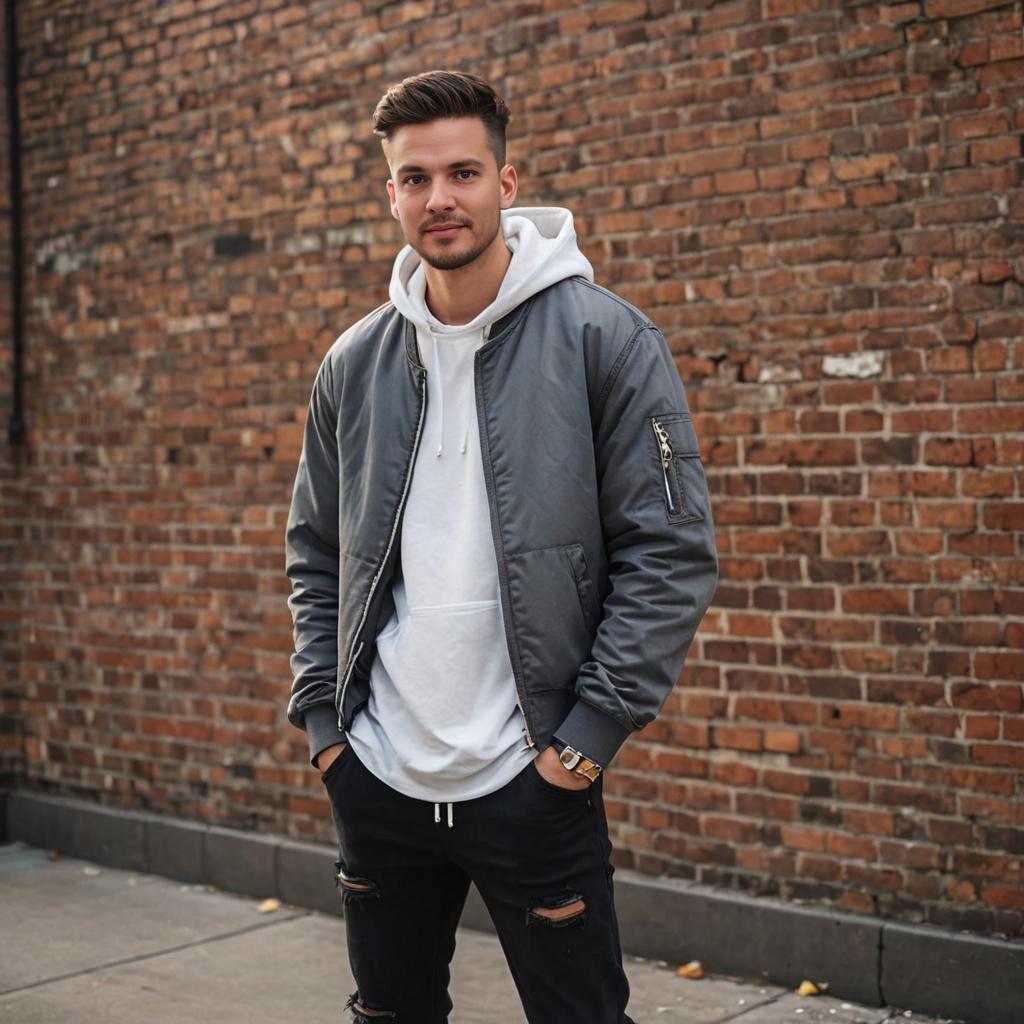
[450,261]
[443,258]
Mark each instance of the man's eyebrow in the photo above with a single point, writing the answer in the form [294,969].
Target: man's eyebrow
[454,166]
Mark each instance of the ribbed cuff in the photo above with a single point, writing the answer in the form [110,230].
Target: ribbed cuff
[321,724]
[593,733]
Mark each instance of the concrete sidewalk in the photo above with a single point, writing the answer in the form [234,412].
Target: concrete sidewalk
[96,945]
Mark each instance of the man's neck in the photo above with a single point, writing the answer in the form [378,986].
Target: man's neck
[459,296]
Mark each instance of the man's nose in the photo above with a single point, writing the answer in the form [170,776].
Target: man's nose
[440,197]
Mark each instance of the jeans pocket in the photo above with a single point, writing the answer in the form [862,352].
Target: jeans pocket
[332,768]
[563,791]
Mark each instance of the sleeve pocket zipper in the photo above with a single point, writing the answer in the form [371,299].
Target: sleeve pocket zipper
[665,448]
[681,471]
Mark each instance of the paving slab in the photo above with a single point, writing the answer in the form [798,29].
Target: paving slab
[262,975]
[100,945]
[820,1009]
[659,994]
[68,915]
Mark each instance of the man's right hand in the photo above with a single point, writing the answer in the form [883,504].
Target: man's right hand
[327,755]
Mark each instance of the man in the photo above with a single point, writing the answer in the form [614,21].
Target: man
[500,546]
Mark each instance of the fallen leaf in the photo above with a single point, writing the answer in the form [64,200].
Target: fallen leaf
[693,969]
[53,855]
[807,988]
[268,905]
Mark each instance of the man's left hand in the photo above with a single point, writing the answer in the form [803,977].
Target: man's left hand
[553,771]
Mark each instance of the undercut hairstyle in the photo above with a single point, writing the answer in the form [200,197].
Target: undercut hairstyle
[432,95]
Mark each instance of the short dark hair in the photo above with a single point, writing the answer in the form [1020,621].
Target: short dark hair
[432,95]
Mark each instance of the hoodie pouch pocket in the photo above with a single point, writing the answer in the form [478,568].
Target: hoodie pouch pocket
[681,473]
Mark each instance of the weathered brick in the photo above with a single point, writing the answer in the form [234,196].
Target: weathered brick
[869,526]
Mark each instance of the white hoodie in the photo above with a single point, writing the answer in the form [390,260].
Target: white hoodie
[443,721]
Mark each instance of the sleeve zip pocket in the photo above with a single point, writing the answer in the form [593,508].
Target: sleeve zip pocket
[681,468]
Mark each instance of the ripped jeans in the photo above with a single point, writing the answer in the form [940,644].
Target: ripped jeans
[539,855]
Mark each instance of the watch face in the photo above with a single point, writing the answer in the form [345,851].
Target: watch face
[570,758]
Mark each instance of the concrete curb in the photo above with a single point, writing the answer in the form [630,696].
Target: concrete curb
[969,976]
[730,933]
[923,968]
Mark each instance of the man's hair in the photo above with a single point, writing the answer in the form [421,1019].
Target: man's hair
[432,95]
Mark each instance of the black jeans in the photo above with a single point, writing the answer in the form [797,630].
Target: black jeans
[530,846]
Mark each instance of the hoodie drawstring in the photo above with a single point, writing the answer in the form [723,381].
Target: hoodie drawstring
[440,398]
[437,815]
[440,395]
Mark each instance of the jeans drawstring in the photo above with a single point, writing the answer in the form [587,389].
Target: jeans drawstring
[437,815]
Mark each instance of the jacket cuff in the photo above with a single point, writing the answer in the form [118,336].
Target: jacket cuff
[321,725]
[592,733]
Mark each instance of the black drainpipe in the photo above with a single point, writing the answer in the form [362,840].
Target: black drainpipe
[16,424]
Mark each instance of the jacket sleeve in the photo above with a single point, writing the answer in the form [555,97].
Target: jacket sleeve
[660,540]
[311,562]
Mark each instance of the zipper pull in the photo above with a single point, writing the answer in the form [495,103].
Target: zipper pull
[665,447]
[663,442]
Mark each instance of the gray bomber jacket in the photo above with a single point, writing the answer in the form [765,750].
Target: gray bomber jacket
[599,509]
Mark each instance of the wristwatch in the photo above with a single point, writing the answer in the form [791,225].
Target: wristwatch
[576,762]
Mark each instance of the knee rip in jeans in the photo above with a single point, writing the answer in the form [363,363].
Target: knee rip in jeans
[353,888]
[359,1012]
[558,911]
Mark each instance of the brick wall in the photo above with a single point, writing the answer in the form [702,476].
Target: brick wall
[10,719]
[821,205]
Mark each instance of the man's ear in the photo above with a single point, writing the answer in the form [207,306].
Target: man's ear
[390,186]
[508,182]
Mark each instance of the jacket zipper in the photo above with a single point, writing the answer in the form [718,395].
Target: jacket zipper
[665,447]
[353,658]
[485,452]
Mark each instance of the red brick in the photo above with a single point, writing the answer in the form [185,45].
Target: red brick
[876,599]
[786,782]
[982,727]
[782,740]
[998,754]
[880,879]
[737,737]
[801,838]
[999,665]
[994,698]
[1003,896]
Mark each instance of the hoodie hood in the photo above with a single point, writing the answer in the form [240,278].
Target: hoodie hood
[544,251]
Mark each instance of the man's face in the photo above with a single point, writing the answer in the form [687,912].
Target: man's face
[447,191]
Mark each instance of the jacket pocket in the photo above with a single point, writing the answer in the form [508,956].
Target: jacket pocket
[550,622]
[586,591]
[682,471]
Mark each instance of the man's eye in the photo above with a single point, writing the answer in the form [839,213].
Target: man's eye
[468,174]
[413,179]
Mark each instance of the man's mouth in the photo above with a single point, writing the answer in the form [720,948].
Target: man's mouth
[444,230]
